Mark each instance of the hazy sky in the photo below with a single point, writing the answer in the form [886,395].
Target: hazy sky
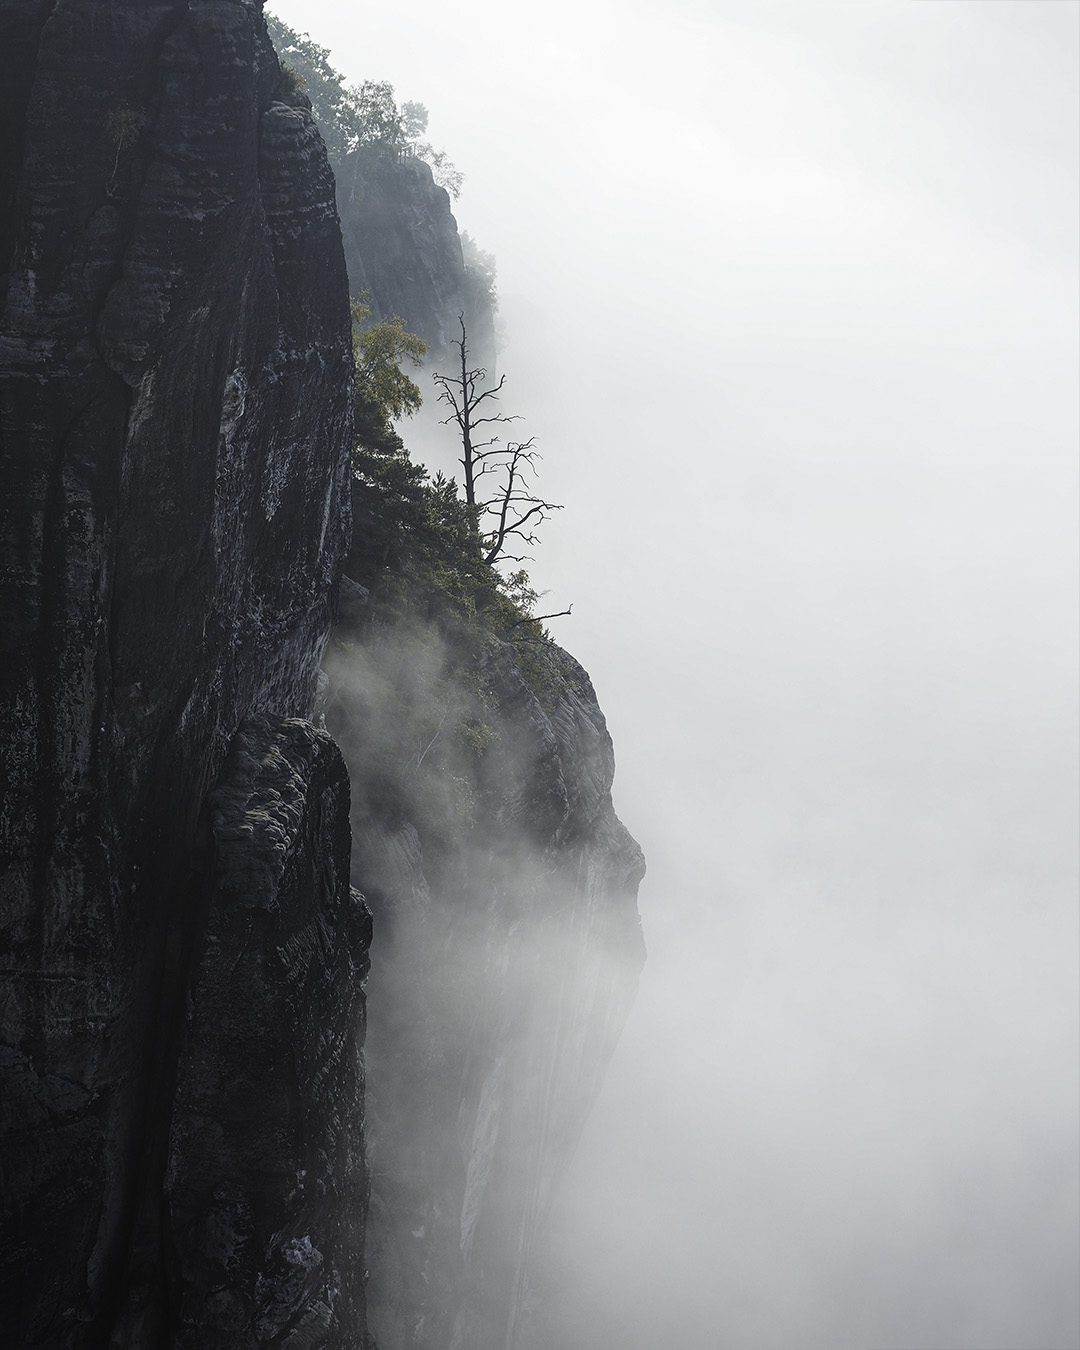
[792,299]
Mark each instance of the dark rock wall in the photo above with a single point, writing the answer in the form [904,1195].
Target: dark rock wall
[266,1183]
[174,411]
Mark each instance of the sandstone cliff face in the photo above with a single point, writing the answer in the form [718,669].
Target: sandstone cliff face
[506,953]
[174,348]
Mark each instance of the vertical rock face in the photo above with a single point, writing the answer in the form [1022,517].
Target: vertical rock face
[266,1183]
[174,351]
[506,954]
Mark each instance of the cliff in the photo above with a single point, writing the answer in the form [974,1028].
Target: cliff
[403,250]
[174,346]
[182,956]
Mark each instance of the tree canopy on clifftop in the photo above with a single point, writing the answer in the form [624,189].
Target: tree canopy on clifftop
[358,117]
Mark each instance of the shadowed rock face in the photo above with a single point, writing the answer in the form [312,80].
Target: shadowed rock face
[174,350]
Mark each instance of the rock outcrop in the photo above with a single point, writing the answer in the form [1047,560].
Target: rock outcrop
[174,347]
[265,1181]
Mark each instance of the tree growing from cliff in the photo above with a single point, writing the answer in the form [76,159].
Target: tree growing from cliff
[386,482]
[497,477]
[309,69]
[414,538]
[379,349]
[363,117]
[409,529]
[414,120]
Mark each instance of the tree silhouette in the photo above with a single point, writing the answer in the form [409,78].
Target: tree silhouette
[512,511]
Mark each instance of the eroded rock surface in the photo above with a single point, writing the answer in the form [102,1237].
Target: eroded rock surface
[175,360]
[266,1186]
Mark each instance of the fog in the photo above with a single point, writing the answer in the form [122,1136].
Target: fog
[504,958]
[790,292]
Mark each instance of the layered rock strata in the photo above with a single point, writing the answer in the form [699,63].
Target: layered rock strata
[404,254]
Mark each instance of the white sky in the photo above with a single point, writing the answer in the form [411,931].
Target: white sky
[792,299]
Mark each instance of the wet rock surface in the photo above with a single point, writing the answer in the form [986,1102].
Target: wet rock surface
[174,351]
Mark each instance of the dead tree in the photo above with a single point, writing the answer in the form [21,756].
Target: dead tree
[511,511]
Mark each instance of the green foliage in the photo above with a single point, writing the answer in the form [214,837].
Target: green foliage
[291,81]
[416,544]
[323,85]
[413,536]
[545,666]
[362,117]
[414,120]
[444,173]
[379,349]
[417,540]
[415,547]
[418,547]
[377,121]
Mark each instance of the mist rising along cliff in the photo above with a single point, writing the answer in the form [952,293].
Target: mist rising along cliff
[506,950]
[195,515]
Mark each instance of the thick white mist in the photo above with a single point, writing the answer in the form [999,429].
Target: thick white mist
[791,291]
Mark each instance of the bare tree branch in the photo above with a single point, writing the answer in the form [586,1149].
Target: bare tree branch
[539,618]
[463,393]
